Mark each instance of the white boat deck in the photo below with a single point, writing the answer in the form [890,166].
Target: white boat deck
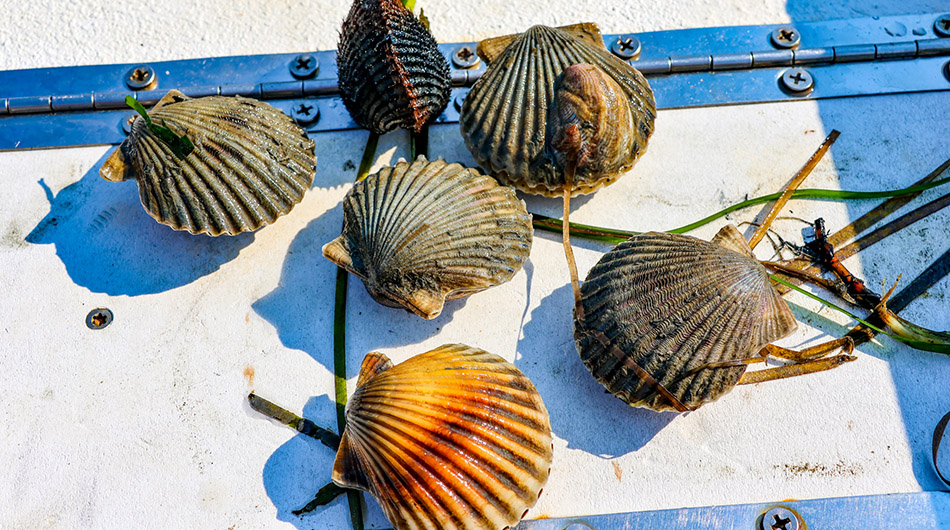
[145,424]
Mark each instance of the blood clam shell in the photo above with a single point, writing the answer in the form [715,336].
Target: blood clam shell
[251,164]
[671,304]
[505,116]
[391,73]
[419,234]
[455,438]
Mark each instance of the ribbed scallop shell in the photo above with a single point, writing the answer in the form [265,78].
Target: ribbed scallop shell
[672,304]
[504,117]
[391,72]
[419,234]
[251,164]
[456,439]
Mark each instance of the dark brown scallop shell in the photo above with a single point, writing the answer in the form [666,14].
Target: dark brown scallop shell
[391,72]
[251,164]
[672,304]
[504,119]
[589,126]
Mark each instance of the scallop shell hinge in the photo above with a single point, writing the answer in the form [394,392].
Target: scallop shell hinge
[391,72]
[671,305]
[454,438]
[251,164]
[505,117]
[421,233]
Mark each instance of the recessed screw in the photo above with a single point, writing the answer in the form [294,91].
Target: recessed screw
[465,58]
[127,122]
[140,77]
[942,25]
[797,81]
[98,318]
[626,47]
[304,66]
[785,37]
[306,111]
[780,518]
[460,99]
[946,70]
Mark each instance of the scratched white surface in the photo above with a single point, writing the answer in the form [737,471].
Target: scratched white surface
[144,424]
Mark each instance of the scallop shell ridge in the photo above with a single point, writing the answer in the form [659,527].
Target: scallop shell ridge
[250,164]
[672,304]
[391,72]
[419,234]
[453,438]
[503,118]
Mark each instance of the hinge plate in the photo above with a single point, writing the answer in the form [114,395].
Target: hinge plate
[83,105]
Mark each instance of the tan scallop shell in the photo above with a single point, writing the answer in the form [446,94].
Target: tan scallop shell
[672,304]
[251,164]
[505,115]
[455,438]
[422,233]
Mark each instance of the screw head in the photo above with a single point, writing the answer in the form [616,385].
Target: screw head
[785,37]
[306,111]
[98,318]
[780,518]
[140,77]
[127,122]
[304,66]
[626,47]
[942,25]
[797,81]
[465,58]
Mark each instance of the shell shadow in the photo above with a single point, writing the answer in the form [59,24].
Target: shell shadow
[299,468]
[301,306]
[582,412]
[109,244]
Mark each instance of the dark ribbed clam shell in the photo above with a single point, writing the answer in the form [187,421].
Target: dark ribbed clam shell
[251,164]
[504,119]
[419,234]
[455,438]
[391,72]
[671,304]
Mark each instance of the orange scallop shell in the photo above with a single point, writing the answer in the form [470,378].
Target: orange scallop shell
[454,438]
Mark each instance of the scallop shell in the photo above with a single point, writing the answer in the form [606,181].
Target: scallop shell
[418,234]
[455,438]
[671,304]
[505,115]
[391,72]
[251,164]
[589,124]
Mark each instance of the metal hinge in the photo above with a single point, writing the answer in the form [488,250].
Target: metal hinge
[84,105]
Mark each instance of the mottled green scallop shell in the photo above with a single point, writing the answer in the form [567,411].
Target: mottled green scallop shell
[251,164]
[504,119]
[671,304]
[422,233]
[456,438]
